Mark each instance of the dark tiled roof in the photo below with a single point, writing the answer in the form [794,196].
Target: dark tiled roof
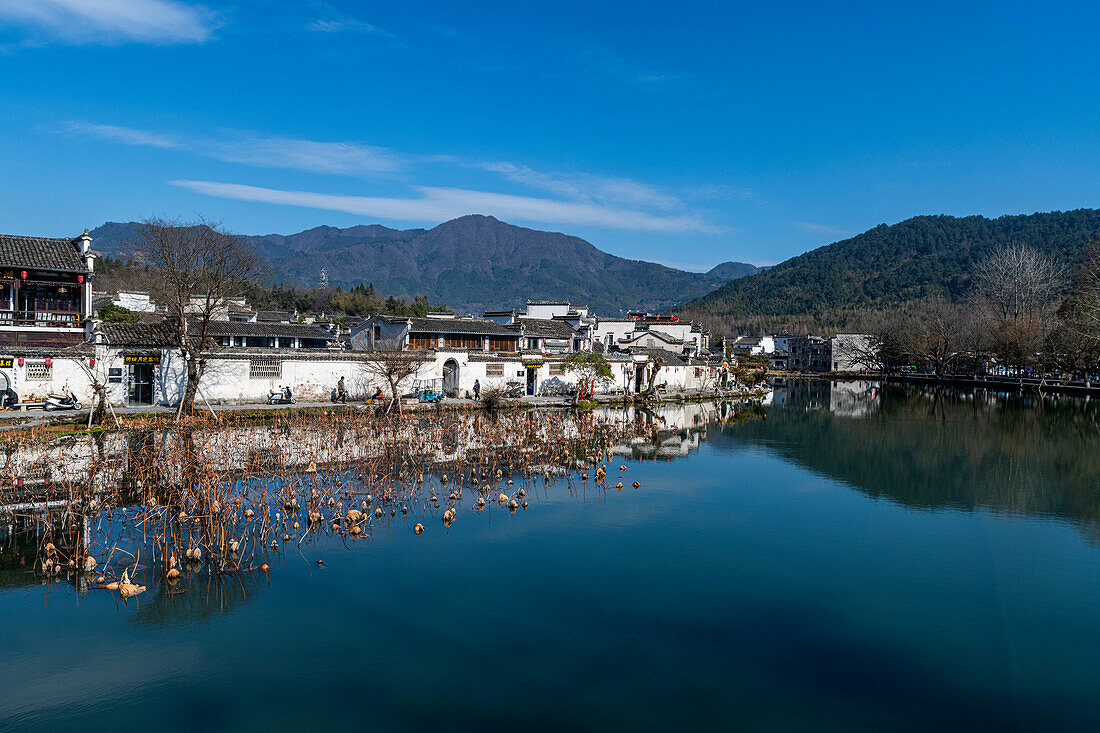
[158,332]
[153,334]
[547,328]
[548,302]
[101,299]
[454,325]
[276,317]
[497,356]
[43,253]
[288,330]
[661,335]
[668,358]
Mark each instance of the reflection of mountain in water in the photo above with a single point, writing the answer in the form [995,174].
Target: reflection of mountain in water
[929,449]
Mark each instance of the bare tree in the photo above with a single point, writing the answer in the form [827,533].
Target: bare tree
[198,266]
[650,372]
[887,347]
[939,339]
[1073,346]
[387,362]
[1018,287]
[1087,294]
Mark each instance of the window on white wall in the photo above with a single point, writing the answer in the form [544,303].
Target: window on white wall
[494,370]
[556,370]
[265,368]
[39,371]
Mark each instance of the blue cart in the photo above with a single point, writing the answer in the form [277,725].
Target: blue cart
[428,390]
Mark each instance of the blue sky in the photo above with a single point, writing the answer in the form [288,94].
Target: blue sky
[686,133]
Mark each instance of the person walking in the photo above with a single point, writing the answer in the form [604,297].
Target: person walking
[341,391]
[477,390]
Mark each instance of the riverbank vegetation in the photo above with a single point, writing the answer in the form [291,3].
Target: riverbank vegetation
[163,504]
[1028,314]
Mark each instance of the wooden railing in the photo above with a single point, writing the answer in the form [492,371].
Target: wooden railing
[70,319]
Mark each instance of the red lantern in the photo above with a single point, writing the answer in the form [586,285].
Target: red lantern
[20,361]
[80,278]
[48,361]
[23,274]
[91,362]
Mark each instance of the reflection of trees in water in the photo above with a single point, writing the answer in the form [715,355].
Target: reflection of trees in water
[946,449]
[197,596]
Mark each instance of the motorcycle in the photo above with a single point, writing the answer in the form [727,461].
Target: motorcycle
[280,397]
[63,400]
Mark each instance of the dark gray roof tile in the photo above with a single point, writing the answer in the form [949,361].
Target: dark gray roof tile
[453,325]
[548,328]
[42,253]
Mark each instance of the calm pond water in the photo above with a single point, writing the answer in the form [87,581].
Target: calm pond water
[861,558]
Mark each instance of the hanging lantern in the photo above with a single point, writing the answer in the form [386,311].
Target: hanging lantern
[48,361]
[23,274]
[80,278]
[91,362]
[20,361]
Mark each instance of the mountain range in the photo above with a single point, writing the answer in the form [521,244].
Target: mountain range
[471,263]
[888,267]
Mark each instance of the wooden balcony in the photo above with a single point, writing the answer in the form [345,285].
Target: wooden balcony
[49,319]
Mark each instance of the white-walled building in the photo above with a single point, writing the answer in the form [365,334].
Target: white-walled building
[753,345]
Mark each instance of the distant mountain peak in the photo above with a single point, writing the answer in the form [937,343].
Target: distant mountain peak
[470,263]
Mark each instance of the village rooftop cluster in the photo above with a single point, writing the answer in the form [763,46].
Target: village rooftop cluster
[52,340]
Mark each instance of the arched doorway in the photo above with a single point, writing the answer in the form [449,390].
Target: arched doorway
[450,378]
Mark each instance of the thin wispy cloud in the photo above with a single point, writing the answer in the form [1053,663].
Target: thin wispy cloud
[263,151]
[586,187]
[616,67]
[328,19]
[578,199]
[814,228]
[110,21]
[124,135]
[306,155]
[440,204]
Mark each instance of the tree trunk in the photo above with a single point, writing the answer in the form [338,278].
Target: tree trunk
[99,407]
[396,397]
[192,386]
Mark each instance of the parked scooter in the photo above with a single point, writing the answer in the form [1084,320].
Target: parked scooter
[280,397]
[63,400]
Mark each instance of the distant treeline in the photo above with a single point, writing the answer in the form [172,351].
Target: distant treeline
[849,284]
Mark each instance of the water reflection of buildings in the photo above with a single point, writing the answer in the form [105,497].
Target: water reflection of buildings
[677,429]
[856,398]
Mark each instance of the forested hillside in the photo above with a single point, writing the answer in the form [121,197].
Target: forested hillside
[843,284]
[470,263]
